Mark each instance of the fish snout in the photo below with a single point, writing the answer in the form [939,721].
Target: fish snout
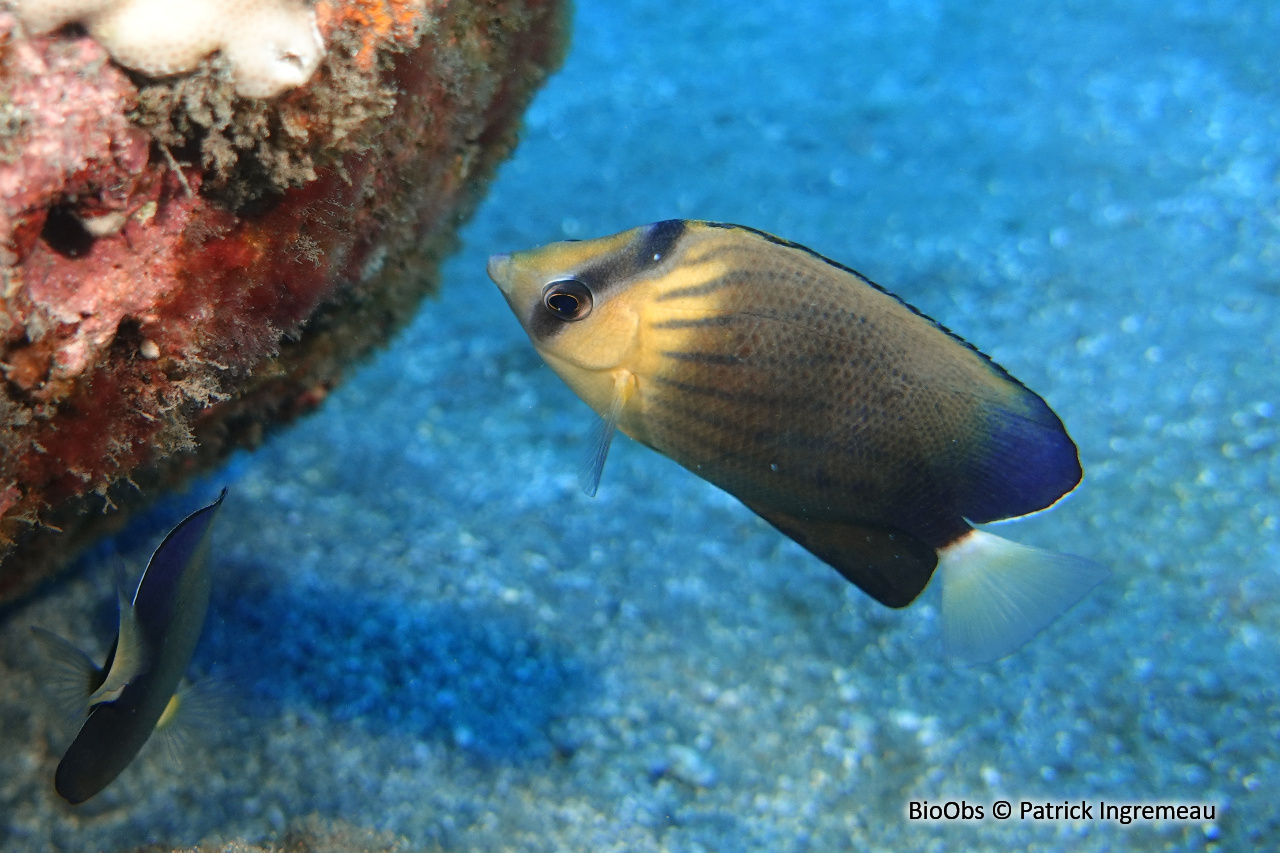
[499,268]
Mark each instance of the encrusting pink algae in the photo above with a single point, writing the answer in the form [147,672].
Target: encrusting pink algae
[184,267]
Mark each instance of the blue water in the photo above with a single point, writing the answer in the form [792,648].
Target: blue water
[429,629]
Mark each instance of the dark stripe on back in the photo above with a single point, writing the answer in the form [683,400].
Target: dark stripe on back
[733,276]
[778,241]
[702,357]
[696,289]
[712,391]
[671,411]
[659,239]
[769,399]
[612,271]
[674,419]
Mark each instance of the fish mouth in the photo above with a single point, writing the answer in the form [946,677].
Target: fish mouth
[499,269]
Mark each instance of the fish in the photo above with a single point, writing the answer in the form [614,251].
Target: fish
[848,420]
[135,691]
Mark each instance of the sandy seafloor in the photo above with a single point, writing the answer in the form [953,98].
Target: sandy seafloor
[430,629]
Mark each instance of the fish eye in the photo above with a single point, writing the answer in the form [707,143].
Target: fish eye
[568,299]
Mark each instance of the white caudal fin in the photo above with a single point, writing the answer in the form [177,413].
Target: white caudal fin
[997,594]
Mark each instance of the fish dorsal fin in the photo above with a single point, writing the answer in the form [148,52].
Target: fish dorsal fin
[890,566]
[72,676]
[130,656]
[602,437]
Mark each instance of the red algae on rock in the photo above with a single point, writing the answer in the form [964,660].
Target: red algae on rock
[184,268]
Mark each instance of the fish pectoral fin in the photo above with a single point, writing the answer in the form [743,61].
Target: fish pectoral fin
[170,732]
[602,437]
[891,567]
[997,594]
[72,675]
[195,708]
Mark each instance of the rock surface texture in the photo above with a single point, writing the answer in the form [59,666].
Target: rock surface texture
[182,267]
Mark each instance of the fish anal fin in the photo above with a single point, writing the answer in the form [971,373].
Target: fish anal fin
[890,566]
[997,594]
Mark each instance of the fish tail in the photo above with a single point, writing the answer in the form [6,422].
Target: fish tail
[997,594]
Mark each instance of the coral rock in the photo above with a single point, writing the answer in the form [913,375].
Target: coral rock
[183,267]
[271,45]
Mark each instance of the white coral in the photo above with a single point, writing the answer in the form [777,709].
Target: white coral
[272,45]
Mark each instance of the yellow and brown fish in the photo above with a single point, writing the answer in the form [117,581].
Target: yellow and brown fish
[844,417]
[135,691]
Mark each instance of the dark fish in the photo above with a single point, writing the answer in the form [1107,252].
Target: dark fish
[848,420]
[129,694]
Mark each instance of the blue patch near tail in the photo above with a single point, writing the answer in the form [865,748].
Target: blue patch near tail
[1029,462]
